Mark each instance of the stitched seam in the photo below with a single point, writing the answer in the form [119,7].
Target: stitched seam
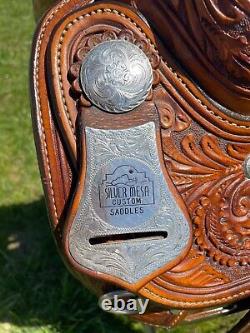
[61,85]
[61,40]
[98,11]
[45,143]
[177,318]
[204,105]
[39,42]
[211,302]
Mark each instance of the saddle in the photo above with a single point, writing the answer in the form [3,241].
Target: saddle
[141,116]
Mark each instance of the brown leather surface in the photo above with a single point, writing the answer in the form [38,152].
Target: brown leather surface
[210,38]
[204,147]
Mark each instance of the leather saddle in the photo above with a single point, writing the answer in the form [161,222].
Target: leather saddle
[141,115]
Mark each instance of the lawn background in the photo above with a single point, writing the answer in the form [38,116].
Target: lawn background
[37,294]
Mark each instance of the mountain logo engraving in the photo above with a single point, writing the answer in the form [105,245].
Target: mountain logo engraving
[126,187]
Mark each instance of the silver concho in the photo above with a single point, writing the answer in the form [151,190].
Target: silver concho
[247,166]
[116,76]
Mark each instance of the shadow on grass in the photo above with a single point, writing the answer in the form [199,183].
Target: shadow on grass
[37,291]
[35,287]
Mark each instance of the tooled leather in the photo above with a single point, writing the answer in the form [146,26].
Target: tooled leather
[205,108]
[95,37]
[195,304]
[211,39]
[42,135]
[215,112]
[222,36]
[164,319]
[177,303]
[74,86]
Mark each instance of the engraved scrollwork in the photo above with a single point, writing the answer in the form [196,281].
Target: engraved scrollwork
[138,143]
[136,259]
[215,188]
[193,272]
[94,39]
[116,76]
[171,115]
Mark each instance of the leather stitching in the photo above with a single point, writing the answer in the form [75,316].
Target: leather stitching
[61,87]
[211,302]
[204,105]
[99,11]
[67,28]
[176,303]
[177,319]
[39,42]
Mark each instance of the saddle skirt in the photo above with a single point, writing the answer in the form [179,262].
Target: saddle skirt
[141,120]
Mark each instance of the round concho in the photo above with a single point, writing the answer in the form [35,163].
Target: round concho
[116,76]
[247,167]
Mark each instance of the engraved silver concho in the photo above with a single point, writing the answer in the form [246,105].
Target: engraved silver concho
[116,76]
[247,166]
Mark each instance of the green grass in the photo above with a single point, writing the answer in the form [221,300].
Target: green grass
[37,294]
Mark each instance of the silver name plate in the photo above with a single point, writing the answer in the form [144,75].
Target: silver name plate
[128,224]
[127,191]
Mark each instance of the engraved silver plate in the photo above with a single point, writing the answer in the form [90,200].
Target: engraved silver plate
[247,167]
[128,224]
[128,195]
[116,76]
